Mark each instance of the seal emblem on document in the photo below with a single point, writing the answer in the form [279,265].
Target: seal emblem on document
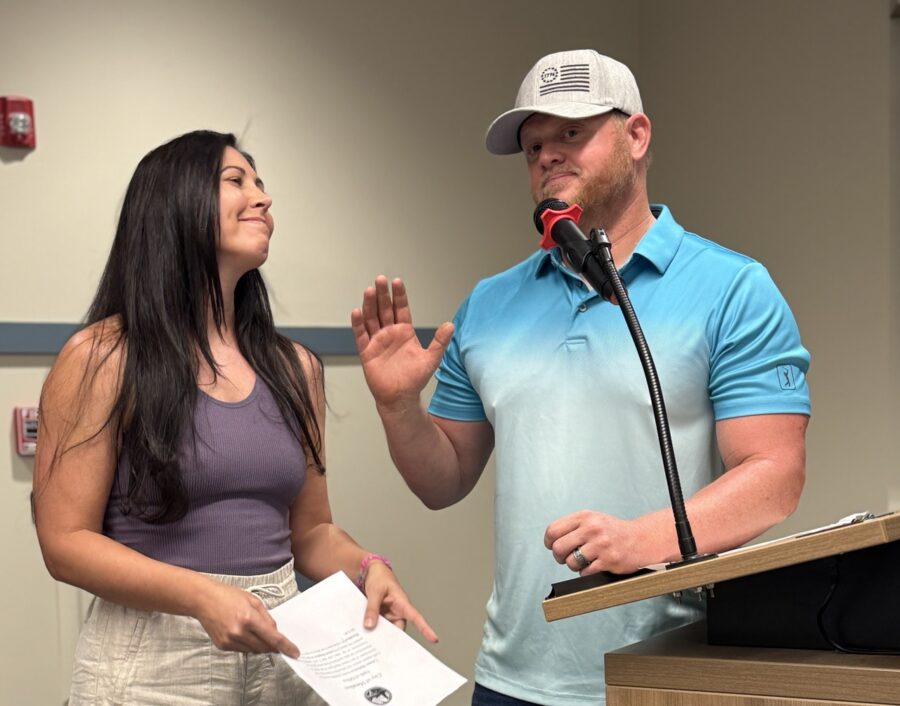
[378,695]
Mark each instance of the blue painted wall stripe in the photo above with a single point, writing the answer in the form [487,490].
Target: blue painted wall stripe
[31,338]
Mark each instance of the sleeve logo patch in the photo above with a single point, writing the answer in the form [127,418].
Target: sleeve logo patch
[787,377]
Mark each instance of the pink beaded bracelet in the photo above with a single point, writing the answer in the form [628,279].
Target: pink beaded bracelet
[364,568]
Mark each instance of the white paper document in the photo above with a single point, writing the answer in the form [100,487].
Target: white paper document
[351,666]
[853,519]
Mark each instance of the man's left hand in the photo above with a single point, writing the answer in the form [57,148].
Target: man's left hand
[604,543]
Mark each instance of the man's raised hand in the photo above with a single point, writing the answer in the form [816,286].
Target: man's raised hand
[395,364]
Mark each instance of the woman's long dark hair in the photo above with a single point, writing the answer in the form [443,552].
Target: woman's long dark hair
[160,282]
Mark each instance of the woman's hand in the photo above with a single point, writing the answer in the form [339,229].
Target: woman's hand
[385,596]
[236,620]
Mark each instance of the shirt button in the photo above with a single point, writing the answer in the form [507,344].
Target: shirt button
[579,284]
[582,308]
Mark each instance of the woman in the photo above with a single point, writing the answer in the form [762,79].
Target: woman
[180,466]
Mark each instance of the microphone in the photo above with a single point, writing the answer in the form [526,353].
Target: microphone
[557,222]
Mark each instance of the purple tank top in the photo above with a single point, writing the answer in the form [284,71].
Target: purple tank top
[241,479]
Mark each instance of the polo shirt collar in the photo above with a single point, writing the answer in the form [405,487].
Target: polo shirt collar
[662,239]
[657,246]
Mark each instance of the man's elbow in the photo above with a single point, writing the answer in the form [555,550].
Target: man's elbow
[789,496]
[434,501]
[438,498]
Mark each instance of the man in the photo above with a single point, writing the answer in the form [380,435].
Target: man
[541,370]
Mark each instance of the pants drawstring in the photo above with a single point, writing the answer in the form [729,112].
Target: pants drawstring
[272,590]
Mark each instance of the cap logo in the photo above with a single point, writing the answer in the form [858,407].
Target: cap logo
[568,77]
[548,75]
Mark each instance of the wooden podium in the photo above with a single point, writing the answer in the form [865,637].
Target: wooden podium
[681,668]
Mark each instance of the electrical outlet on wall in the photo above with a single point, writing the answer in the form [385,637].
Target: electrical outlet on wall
[25,420]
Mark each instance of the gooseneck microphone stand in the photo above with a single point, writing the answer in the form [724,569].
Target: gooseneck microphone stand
[592,258]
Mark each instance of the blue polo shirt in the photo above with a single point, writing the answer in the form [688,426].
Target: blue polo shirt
[553,368]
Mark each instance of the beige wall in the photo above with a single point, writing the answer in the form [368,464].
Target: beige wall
[772,135]
[772,130]
[894,238]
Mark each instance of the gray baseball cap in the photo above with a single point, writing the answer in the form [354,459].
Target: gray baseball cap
[568,84]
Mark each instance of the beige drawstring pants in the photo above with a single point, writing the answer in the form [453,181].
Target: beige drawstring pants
[128,657]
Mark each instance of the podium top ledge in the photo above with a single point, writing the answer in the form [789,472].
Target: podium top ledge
[753,559]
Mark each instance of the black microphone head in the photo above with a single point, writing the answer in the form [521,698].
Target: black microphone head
[554,204]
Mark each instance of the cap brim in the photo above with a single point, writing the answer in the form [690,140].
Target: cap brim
[503,134]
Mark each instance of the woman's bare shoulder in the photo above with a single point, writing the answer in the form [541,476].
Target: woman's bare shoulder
[309,361]
[104,335]
[95,352]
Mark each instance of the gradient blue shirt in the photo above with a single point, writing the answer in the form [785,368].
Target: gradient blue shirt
[554,370]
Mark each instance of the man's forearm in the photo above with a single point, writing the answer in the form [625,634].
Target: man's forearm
[737,507]
[744,502]
[424,455]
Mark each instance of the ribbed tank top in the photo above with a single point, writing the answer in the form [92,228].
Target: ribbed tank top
[241,478]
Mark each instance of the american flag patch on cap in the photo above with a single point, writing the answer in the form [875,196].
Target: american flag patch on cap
[568,77]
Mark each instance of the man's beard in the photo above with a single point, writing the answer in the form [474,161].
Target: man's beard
[605,193]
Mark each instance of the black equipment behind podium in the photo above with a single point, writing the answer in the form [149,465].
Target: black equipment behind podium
[849,602]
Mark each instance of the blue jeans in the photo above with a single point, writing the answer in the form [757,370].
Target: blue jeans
[482,696]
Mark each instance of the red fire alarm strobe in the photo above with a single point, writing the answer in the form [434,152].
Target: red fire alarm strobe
[16,122]
[26,423]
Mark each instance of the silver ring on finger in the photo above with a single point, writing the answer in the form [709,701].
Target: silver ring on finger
[582,561]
